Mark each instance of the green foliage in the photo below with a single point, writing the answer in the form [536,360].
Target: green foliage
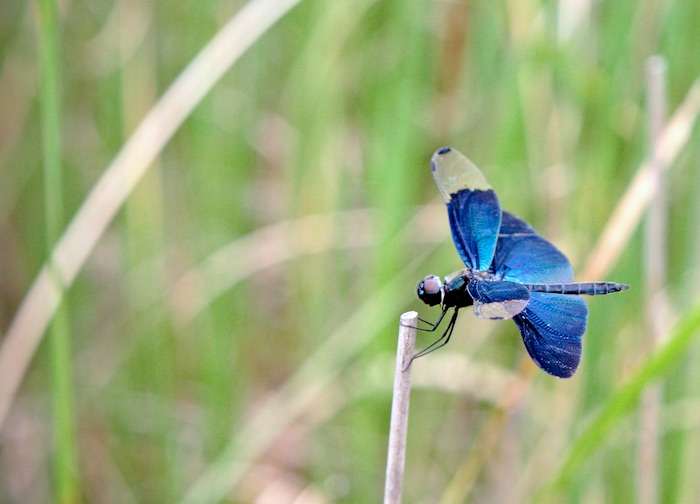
[231,335]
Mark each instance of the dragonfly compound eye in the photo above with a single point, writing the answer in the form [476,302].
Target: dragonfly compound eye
[430,290]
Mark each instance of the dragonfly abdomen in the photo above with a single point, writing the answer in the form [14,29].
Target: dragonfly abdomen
[582,288]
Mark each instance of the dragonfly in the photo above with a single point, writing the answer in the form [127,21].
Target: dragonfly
[511,272]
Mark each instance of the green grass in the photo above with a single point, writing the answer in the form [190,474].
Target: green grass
[231,334]
[65,464]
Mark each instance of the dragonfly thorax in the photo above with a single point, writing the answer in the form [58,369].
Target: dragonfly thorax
[453,292]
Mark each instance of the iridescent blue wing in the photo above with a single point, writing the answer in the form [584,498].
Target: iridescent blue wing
[472,206]
[552,326]
[498,299]
[524,256]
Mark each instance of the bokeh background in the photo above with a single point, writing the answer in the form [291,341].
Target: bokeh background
[231,335]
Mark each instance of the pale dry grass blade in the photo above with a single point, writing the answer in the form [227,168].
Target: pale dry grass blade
[629,210]
[655,273]
[120,177]
[282,241]
[262,249]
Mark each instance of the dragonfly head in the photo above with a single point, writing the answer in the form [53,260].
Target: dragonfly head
[431,290]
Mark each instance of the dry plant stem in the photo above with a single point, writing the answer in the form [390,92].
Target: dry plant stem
[399,409]
[120,177]
[655,266]
[299,393]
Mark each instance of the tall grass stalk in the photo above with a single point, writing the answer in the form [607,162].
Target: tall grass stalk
[655,264]
[65,466]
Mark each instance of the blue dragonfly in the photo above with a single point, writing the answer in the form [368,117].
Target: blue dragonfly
[511,272]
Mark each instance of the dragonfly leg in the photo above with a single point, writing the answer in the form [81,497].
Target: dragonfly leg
[431,325]
[442,340]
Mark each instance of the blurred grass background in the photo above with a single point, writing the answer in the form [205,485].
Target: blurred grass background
[231,336]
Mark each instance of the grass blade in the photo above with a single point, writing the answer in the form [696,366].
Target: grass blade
[65,456]
[627,397]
